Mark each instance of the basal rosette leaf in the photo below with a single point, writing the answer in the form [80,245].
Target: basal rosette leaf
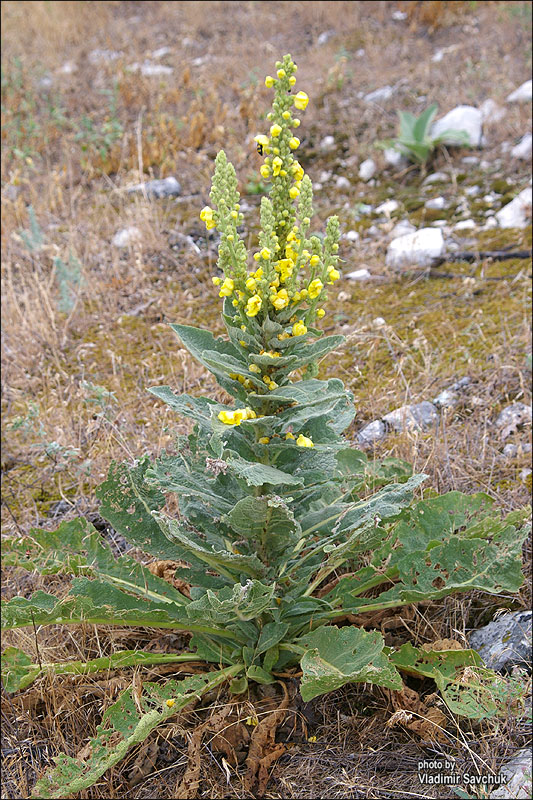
[18,670]
[239,602]
[334,657]
[126,723]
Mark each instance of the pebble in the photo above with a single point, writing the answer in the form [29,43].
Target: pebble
[417,416]
[523,94]
[448,398]
[472,191]
[351,236]
[378,322]
[514,450]
[394,158]
[505,642]
[523,149]
[126,236]
[325,36]
[439,223]
[491,223]
[518,773]
[461,118]
[359,275]
[512,417]
[398,16]
[435,177]
[415,249]
[68,68]
[373,432]
[388,207]
[151,70]
[379,95]
[165,187]
[103,56]
[465,225]
[367,169]
[342,183]
[436,203]
[162,51]
[402,229]
[517,213]
[470,160]
[325,176]
[327,143]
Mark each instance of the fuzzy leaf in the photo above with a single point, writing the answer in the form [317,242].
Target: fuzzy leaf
[237,602]
[257,474]
[266,522]
[336,656]
[198,409]
[271,634]
[126,723]
[18,671]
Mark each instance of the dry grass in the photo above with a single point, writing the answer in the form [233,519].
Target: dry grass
[69,152]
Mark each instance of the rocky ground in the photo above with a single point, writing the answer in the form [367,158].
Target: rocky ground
[112,115]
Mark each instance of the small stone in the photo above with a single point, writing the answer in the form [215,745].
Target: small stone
[446,399]
[523,94]
[361,53]
[126,236]
[524,474]
[435,177]
[373,432]
[325,36]
[489,199]
[379,95]
[512,417]
[68,68]
[151,70]
[518,773]
[378,322]
[472,191]
[439,223]
[464,225]
[505,642]
[398,16]
[393,158]
[373,230]
[402,229]
[342,183]
[351,236]
[415,249]
[461,118]
[517,213]
[103,56]
[388,207]
[46,82]
[491,222]
[325,176]
[436,203]
[491,112]
[162,51]
[359,275]
[523,148]
[327,143]
[367,169]
[470,160]
[165,187]
[415,417]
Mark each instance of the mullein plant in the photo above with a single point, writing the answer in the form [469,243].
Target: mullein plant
[283,527]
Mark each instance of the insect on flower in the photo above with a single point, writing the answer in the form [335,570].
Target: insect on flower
[260,148]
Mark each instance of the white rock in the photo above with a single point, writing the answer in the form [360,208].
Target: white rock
[379,95]
[471,191]
[470,160]
[342,182]
[464,225]
[489,199]
[165,187]
[327,143]
[417,416]
[446,399]
[398,16]
[435,177]
[359,275]
[126,236]
[402,229]
[361,53]
[461,118]
[491,112]
[517,213]
[512,417]
[68,68]
[351,236]
[437,56]
[372,432]
[491,223]
[367,169]
[523,94]
[388,207]
[415,249]
[518,773]
[436,203]
[162,51]
[373,230]
[325,36]
[439,223]
[103,56]
[151,70]
[393,158]
[378,322]
[523,148]
[324,176]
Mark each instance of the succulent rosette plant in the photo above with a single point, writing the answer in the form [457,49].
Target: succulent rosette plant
[283,528]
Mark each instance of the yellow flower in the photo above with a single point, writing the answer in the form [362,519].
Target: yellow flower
[320,313]
[294,192]
[206,214]
[171,703]
[258,274]
[237,416]
[315,287]
[275,130]
[254,368]
[296,297]
[277,164]
[281,300]
[304,293]
[253,305]
[282,336]
[315,261]
[294,143]
[301,100]
[292,80]
[269,81]
[298,329]
[296,123]
[265,253]
[262,139]
[227,288]
[290,435]
[272,385]
[250,413]
[264,440]
[333,274]
[304,441]
[235,215]
[251,284]
[281,73]
[286,114]
[265,171]
[216,281]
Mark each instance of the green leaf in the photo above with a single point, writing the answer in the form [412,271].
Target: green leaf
[237,602]
[423,123]
[271,634]
[126,723]
[199,409]
[257,474]
[258,674]
[267,523]
[174,474]
[336,656]
[18,671]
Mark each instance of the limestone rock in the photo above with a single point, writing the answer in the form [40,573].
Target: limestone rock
[165,187]
[415,417]
[415,249]
[505,642]
[517,213]
[461,118]
[523,94]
